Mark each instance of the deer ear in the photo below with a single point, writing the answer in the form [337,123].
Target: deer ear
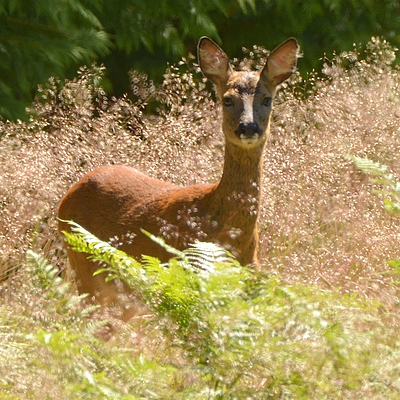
[281,63]
[213,61]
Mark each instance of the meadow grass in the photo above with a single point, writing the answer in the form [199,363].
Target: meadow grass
[321,319]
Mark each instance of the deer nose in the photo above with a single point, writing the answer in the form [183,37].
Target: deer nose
[248,130]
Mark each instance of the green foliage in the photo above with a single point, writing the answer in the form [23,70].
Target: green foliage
[390,190]
[175,290]
[43,38]
[390,187]
[49,348]
[245,334]
[47,277]
[164,24]
[321,26]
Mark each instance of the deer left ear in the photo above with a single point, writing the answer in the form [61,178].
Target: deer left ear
[213,61]
[281,63]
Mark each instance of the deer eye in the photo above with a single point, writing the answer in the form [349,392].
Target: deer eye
[228,101]
[267,101]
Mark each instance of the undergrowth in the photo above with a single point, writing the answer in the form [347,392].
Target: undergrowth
[247,335]
[220,332]
[319,321]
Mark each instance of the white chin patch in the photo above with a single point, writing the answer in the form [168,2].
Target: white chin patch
[249,140]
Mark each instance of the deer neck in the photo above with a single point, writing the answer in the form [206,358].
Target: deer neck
[240,184]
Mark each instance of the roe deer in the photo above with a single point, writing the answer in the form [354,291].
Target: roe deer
[113,200]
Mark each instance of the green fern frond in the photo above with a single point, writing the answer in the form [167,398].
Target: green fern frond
[83,241]
[71,302]
[48,275]
[368,166]
[185,288]
[201,256]
[205,256]
[392,201]
[93,326]
[162,243]
[57,289]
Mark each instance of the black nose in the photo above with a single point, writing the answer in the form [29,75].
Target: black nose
[248,130]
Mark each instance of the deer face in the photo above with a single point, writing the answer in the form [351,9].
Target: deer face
[246,96]
[247,103]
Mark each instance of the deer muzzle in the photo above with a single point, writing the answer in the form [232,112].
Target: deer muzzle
[248,133]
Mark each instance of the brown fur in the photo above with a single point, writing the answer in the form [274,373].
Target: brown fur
[114,200]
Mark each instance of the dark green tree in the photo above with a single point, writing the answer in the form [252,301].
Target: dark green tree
[148,34]
[321,26]
[44,38]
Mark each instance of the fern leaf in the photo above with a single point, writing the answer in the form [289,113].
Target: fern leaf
[161,242]
[48,275]
[368,166]
[82,240]
[191,285]
[385,178]
[205,256]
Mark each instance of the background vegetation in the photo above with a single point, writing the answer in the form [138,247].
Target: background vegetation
[321,320]
[47,38]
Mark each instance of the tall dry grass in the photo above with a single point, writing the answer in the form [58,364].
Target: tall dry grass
[322,223]
[319,221]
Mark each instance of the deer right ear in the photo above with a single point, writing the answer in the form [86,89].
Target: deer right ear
[213,61]
[281,63]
